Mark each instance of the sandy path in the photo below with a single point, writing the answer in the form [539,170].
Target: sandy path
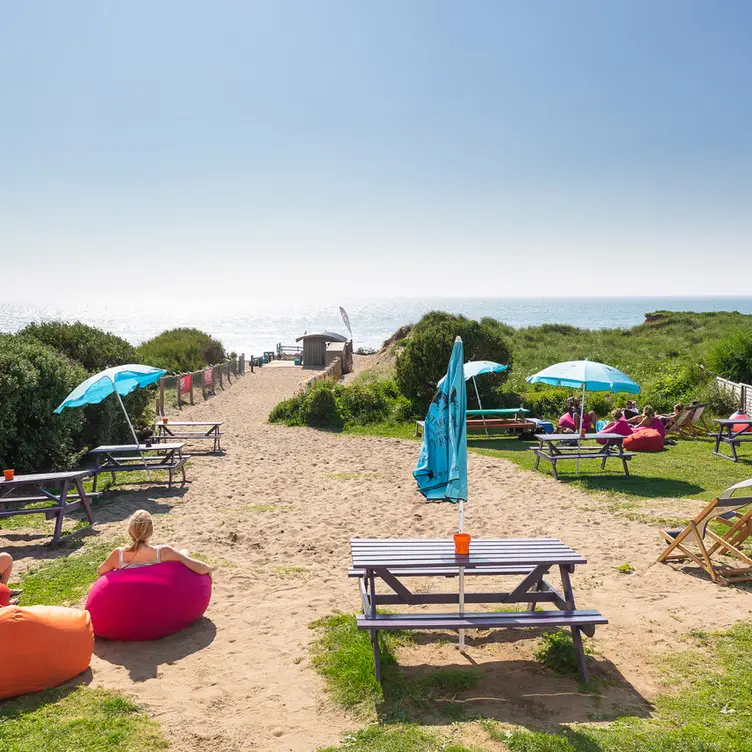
[241,680]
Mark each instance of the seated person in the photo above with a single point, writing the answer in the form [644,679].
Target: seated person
[141,554]
[648,419]
[631,410]
[570,421]
[618,424]
[669,420]
[6,567]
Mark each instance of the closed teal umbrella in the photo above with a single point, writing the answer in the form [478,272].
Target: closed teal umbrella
[441,472]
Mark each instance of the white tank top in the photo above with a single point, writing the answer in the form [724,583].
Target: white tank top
[136,564]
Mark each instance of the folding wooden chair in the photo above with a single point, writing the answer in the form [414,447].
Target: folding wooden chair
[725,510]
[694,424]
[675,427]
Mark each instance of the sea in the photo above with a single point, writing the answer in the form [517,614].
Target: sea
[252,328]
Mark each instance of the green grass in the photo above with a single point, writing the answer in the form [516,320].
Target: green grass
[625,568]
[66,580]
[82,720]
[342,654]
[556,651]
[710,712]
[391,430]
[399,738]
[687,470]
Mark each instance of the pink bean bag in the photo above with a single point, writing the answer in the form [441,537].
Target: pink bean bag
[4,595]
[739,426]
[644,440]
[566,421]
[148,602]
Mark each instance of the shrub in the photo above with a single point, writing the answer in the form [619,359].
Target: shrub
[93,348]
[180,350]
[731,356]
[320,409]
[556,651]
[34,380]
[425,358]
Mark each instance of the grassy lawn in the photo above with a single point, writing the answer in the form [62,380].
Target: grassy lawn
[708,710]
[66,580]
[686,470]
[79,720]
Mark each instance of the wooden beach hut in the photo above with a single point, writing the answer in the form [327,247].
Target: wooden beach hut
[316,345]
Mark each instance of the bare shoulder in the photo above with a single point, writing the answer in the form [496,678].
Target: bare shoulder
[169,553]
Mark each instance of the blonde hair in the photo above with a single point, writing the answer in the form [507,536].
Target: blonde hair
[617,414]
[140,528]
[648,411]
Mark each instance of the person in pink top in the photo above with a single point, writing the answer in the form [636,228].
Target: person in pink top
[618,424]
[649,419]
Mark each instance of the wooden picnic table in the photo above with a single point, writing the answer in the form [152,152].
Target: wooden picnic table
[128,458]
[209,429]
[500,412]
[52,487]
[727,435]
[391,560]
[551,447]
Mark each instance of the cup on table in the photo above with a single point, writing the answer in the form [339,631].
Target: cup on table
[461,543]
[9,474]
[165,419]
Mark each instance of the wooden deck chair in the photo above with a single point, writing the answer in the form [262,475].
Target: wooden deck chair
[694,424]
[706,543]
[676,426]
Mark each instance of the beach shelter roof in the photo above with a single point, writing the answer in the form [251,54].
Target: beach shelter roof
[328,336]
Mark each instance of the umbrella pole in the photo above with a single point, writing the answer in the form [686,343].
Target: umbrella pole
[480,407]
[582,422]
[133,432]
[462,582]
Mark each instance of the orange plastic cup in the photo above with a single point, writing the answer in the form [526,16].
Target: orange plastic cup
[461,543]
[165,419]
[9,474]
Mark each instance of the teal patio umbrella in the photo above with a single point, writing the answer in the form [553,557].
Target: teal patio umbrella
[120,380]
[474,368]
[441,471]
[588,376]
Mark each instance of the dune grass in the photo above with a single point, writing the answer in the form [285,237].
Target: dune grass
[342,654]
[78,720]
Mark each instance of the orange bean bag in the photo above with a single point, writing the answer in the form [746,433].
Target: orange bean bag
[644,440]
[41,647]
[4,595]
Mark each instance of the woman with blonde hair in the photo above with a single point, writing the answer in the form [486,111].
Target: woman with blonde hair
[648,419]
[141,554]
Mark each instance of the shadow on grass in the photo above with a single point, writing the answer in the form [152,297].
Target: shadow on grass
[143,659]
[17,706]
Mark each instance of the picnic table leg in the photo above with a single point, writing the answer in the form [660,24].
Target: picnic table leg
[576,636]
[733,444]
[718,440]
[60,513]
[553,465]
[84,500]
[537,460]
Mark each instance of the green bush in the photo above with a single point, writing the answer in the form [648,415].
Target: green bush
[93,348]
[180,350]
[424,360]
[731,356]
[34,380]
[325,405]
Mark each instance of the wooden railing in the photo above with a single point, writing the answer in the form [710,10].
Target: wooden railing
[741,392]
[332,373]
[204,381]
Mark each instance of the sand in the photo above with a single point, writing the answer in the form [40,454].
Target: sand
[274,516]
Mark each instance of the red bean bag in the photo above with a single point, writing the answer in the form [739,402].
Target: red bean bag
[42,647]
[148,602]
[739,426]
[4,595]
[644,440]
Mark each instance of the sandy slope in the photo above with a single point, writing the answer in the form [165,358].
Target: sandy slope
[275,515]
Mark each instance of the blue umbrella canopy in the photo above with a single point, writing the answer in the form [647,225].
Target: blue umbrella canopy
[120,379]
[586,375]
[441,471]
[474,368]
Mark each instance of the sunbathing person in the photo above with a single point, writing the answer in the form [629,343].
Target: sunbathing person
[142,554]
[648,419]
[669,420]
[6,567]
[618,424]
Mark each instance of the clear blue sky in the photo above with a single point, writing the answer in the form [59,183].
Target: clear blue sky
[389,148]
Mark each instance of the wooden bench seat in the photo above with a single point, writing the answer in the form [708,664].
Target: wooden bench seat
[135,466]
[586,620]
[35,499]
[453,572]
